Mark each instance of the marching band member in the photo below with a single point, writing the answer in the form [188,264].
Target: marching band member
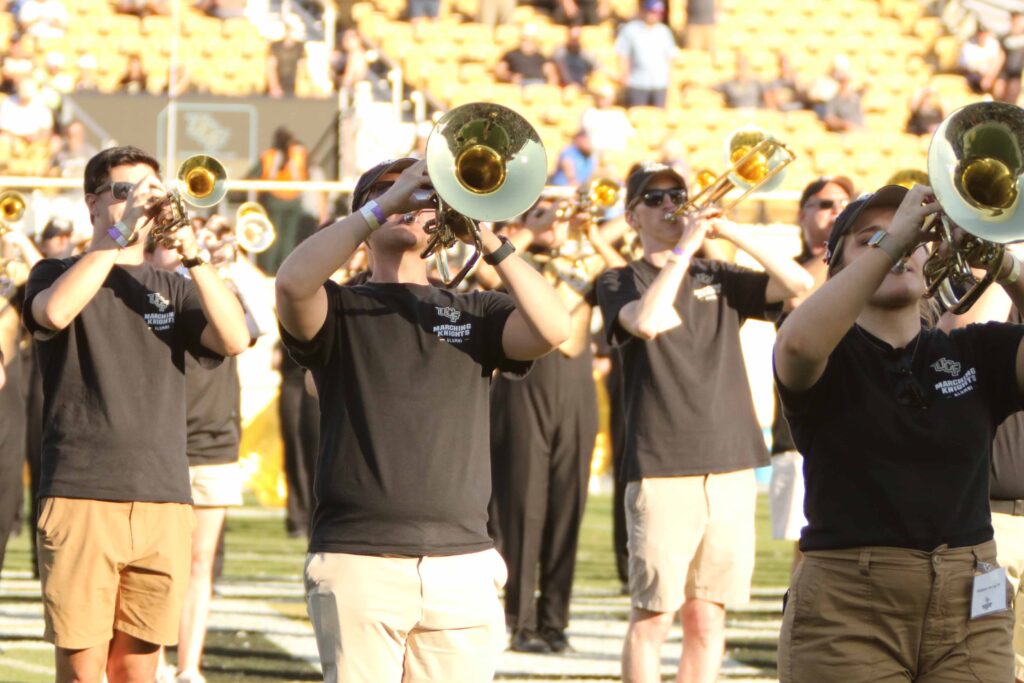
[692,439]
[115,511]
[895,421]
[401,578]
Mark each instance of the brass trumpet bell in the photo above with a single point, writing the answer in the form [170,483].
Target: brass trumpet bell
[486,162]
[908,177]
[12,207]
[253,230]
[202,181]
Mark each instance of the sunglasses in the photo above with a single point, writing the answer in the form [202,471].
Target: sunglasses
[118,190]
[826,204]
[653,198]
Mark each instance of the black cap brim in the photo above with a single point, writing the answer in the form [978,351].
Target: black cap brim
[370,178]
[890,196]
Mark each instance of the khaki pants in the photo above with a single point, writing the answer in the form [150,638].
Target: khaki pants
[888,615]
[406,619]
[1010,545]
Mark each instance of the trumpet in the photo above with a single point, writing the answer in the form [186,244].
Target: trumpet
[253,230]
[201,182]
[591,200]
[757,163]
[975,162]
[486,163]
[12,208]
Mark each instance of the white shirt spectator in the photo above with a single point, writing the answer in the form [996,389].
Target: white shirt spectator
[609,128]
[43,18]
[25,116]
[979,56]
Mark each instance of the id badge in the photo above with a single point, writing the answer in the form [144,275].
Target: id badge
[988,593]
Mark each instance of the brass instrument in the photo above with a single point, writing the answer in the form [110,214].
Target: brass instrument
[12,208]
[908,177]
[591,200]
[975,162]
[757,163]
[201,182]
[486,163]
[253,230]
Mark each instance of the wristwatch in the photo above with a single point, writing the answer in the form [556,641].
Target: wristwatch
[882,240]
[501,253]
[196,260]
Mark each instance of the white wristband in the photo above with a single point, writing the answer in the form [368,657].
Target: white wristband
[372,214]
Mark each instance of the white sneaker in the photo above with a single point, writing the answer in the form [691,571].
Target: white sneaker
[165,674]
[191,676]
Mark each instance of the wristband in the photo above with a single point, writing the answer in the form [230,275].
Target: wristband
[120,234]
[1014,273]
[501,253]
[678,254]
[373,214]
[193,262]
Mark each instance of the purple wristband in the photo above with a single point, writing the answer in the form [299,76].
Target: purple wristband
[678,251]
[116,235]
[377,212]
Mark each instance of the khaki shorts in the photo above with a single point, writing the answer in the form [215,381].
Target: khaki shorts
[1010,548]
[407,619]
[786,496]
[867,615]
[107,566]
[691,537]
[699,37]
[216,486]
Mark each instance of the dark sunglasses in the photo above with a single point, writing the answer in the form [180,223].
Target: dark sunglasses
[654,198]
[826,204]
[118,190]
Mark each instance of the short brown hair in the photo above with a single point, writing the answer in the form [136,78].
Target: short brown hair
[97,171]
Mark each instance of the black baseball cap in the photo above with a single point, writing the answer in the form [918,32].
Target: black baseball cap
[370,178]
[889,196]
[817,185]
[642,176]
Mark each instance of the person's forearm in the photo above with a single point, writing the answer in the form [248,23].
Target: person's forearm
[790,276]
[55,307]
[224,313]
[612,258]
[313,262]
[655,310]
[813,330]
[534,296]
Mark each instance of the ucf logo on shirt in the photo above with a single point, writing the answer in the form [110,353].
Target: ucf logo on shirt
[449,331]
[957,385]
[707,289]
[162,319]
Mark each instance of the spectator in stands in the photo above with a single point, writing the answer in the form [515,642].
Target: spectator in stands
[574,65]
[926,111]
[1007,85]
[785,93]
[87,81]
[24,115]
[74,153]
[525,65]
[43,18]
[742,91]
[222,9]
[825,87]
[134,80]
[581,12]
[496,12]
[179,80]
[422,12]
[57,76]
[700,26]
[349,60]
[17,64]
[284,60]
[142,8]
[606,125]
[979,60]
[576,162]
[285,159]
[843,112]
[646,49]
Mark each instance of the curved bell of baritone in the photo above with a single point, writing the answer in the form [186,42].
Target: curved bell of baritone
[202,181]
[758,160]
[253,230]
[975,162]
[908,177]
[486,162]
[12,208]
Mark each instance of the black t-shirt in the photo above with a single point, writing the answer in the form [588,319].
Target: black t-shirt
[529,66]
[896,442]
[1013,46]
[287,56]
[1007,480]
[403,373]
[213,409]
[689,409]
[114,386]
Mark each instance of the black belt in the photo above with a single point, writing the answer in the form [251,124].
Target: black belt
[1008,507]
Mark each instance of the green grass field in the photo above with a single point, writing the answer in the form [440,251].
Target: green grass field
[260,553]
